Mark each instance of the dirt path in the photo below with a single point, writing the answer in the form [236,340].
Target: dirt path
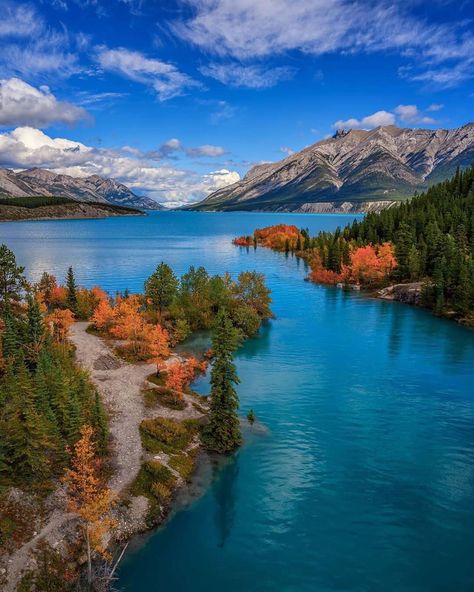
[120,385]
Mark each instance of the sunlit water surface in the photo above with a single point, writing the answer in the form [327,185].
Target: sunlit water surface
[364,480]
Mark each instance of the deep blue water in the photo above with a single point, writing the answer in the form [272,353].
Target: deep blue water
[365,479]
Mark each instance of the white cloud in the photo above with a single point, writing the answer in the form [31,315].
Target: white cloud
[235,74]
[435,107]
[402,114]
[23,104]
[30,48]
[411,114]
[287,150]
[164,78]
[368,122]
[27,147]
[19,20]
[246,29]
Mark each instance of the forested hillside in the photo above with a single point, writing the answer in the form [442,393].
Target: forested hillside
[429,239]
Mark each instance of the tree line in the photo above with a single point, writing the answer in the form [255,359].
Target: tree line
[428,239]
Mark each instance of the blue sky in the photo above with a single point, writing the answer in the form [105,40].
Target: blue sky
[176,99]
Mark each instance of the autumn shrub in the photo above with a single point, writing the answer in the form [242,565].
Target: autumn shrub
[163,434]
[156,482]
[183,463]
[163,397]
[161,492]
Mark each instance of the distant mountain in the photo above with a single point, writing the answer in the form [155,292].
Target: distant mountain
[86,189]
[354,170]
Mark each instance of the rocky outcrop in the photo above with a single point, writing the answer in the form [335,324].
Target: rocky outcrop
[85,189]
[379,166]
[406,293]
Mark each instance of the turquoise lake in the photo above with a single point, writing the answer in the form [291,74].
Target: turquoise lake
[364,479]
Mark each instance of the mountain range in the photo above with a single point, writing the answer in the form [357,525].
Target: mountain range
[354,171]
[33,182]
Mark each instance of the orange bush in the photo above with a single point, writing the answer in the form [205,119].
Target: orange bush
[61,321]
[103,316]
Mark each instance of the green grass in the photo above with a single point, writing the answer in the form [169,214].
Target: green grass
[159,380]
[165,435]
[183,463]
[163,397]
[156,482]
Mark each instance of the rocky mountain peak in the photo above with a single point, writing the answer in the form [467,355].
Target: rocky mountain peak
[384,164]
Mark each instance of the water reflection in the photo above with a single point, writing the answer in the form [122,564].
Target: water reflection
[225,497]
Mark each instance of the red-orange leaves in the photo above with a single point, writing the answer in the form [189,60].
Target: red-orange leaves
[370,265]
[280,237]
[61,321]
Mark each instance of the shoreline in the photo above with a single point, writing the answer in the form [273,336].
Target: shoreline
[120,385]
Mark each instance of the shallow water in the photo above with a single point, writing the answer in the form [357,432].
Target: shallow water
[365,478]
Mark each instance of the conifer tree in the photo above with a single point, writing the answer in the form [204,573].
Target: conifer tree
[12,280]
[35,332]
[71,287]
[222,434]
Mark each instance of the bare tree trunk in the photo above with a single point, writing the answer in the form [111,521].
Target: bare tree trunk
[111,575]
[89,559]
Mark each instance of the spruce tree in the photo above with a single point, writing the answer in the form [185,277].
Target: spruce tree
[222,434]
[35,331]
[12,280]
[71,287]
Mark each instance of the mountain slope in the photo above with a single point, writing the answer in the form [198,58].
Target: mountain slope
[86,189]
[355,170]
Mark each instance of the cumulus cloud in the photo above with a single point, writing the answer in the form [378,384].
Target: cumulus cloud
[368,122]
[27,147]
[411,114]
[248,30]
[402,114]
[254,76]
[287,150]
[164,78]
[23,104]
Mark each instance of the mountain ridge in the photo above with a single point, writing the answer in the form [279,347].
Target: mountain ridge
[36,181]
[354,170]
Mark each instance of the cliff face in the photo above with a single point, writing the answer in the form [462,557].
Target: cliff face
[350,170]
[85,189]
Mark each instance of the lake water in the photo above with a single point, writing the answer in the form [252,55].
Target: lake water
[365,478]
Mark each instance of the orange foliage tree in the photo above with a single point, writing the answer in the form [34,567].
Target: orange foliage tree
[370,265]
[156,343]
[320,274]
[88,496]
[103,316]
[60,321]
[280,237]
[181,373]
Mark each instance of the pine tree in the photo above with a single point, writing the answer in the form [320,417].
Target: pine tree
[222,434]
[35,331]
[12,280]
[71,287]
[10,336]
